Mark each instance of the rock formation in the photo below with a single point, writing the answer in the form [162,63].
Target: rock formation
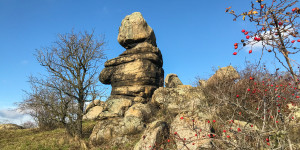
[134,75]
[137,72]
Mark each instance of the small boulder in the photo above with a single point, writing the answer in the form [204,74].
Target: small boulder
[93,113]
[172,81]
[93,103]
[142,111]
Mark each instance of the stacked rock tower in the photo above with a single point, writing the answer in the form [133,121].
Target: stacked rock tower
[137,72]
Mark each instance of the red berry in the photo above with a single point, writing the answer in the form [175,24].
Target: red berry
[267,140]
[239,129]
[276,121]
[271,117]
[235,44]
[293,41]
[261,6]
[224,131]
[268,143]
[235,47]
[168,140]
[258,39]
[294,9]
[243,30]
[251,78]
[298,40]
[228,136]
[251,125]
[181,117]
[246,33]
[208,121]
[247,37]
[280,23]
[297,96]
[250,51]
[255,38]
[175,133]
[237,96]
[195,134]
[234,53]
[214,121]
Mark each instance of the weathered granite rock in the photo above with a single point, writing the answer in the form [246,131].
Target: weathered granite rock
[93,113]
[172,81]
[138,71]
[10,127]
[183,129]
[134,29]
[115,108]
[155,134]
[142,111]
[178,99]
[106,130]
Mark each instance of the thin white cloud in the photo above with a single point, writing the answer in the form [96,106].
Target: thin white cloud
[13,116]
[257,46]
[24,62]
[10,114]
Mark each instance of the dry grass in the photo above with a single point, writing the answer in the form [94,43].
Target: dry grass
[33,139]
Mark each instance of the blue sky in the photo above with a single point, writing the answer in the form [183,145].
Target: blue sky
[193,35]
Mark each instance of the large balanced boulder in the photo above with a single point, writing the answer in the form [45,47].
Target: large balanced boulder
[134,29]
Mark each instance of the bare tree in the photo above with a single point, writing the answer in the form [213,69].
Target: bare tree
[276,30]
[72,63]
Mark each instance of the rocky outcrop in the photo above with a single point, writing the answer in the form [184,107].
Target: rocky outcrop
[10,127]
[137,72]
[134,75]
[172,81]
[224,74]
